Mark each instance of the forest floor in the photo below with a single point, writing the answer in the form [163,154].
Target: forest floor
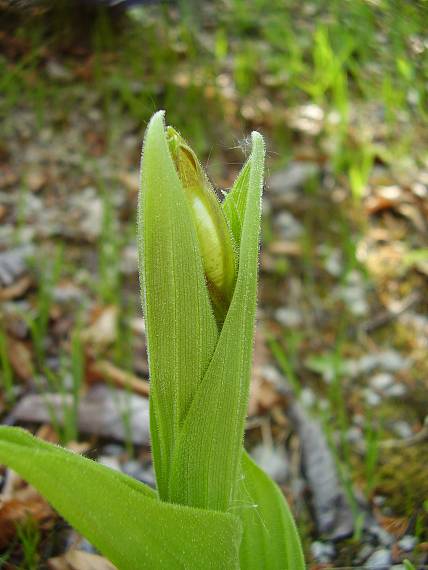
[338,412]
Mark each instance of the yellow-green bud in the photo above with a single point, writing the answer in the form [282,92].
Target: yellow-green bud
[215,239]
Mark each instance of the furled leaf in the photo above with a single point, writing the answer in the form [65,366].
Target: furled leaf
[181,328]
[270,540]
[120,516]
[209,450]
[235,202]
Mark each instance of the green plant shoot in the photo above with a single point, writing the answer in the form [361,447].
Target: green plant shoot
[213,508]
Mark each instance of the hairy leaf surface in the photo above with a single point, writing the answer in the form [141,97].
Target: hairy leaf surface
[181,328]
[235,202]
[270,540]
[209,449]
[121,517]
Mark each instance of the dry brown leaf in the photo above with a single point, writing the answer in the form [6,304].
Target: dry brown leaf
[20,358]
[108,372]
[397,526]
[103,330]
[376,204]
[285,248]
[36,179]
[259,359]
[7,177]
[130,180]
[268,395]
[84,70]
[263,393]
[307,118]
[17,289]
[21,502]
[253,403]
[386,260]
[79,447]
[47,433]
[412,213]
[263,396]
[80,560]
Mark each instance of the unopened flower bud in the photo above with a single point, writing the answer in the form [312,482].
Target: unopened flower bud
[215,239]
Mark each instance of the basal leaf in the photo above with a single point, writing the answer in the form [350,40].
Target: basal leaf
[181,328]
[270,540]
[208,453]
[121,517]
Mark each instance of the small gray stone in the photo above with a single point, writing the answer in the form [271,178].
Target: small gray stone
[288,317]
[372,398]
[308,397]
[113,449]
[148,477]
[293,177]
[389,360]
[353,293]
[354,435]
[67,294]
[381,381]
[86,546]
[128,259]
[323,552]
[110,462]
[99,412]
[381,535]
[364,553]
[402,429]
[13,264]
[408,543]
[57,71]
[334,263]
[288,226]
[271,374]
[392,360]
[379,500]
[273,460]
[133,468]
[396,391]
[143,473]
[380,560]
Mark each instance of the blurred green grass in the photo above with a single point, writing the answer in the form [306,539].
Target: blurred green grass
[245,61]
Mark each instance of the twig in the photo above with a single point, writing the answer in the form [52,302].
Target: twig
[121,379]
[419,437]
[384,318]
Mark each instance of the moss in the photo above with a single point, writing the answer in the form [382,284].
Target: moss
[402,478]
